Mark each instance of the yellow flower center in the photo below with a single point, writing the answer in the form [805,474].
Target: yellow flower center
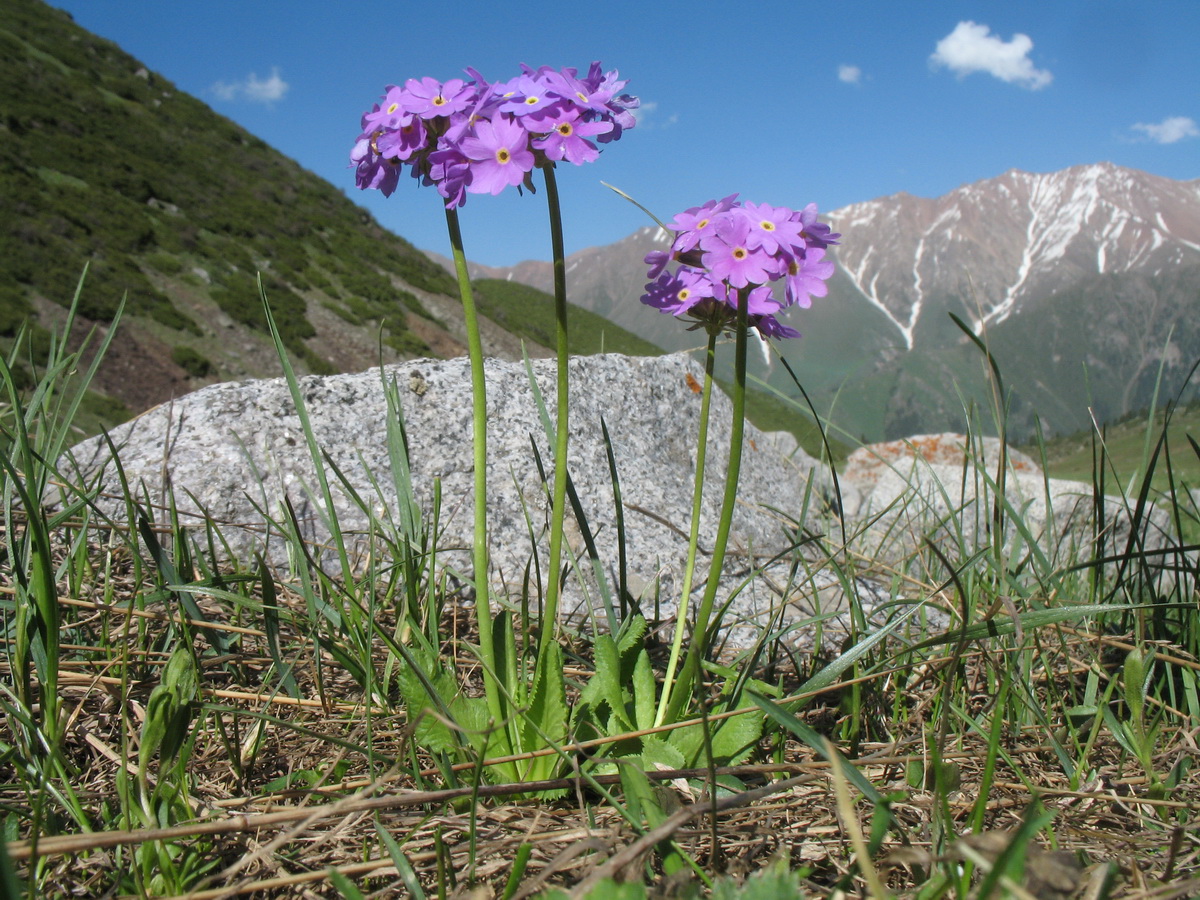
[739,253]
[703,223]
[391,109]
[532,101]
[684,293]
[503,156]
[565,129]
[766,225]
[439,100]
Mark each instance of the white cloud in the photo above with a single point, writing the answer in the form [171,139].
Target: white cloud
[644,111]
[973,48]
[1169,130]
[646,116]
[849,74]
[253,88]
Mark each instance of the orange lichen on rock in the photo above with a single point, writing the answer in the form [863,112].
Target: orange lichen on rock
[948,448]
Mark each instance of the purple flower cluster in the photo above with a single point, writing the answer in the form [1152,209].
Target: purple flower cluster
[471,137]
[725,247]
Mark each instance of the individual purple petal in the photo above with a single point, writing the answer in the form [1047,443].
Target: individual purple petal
[657,261]
[677,292]
[761,302]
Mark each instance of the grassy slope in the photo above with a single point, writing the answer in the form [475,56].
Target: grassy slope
[1071,456]
[102,161]
[529,314]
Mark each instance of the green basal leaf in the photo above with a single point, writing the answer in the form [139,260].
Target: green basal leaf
[643,691]
[546,718]
[604,687]
[1135,672]
[169,709]
[737,737]
[658,755]
[431,732]
[631,635]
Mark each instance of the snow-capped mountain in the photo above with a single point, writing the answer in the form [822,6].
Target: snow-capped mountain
[1082,282]
[1000,243]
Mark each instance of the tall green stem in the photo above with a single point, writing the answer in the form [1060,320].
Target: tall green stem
[689,569]
[483,605]
[558,508]
[682,690]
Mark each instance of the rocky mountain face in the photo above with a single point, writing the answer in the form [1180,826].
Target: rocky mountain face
[1082,283]
[1001,246]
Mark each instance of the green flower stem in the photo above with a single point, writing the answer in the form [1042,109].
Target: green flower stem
[694,537]
[558,508]
[483,605]
[682,690]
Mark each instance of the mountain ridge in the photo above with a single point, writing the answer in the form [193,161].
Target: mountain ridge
[996,253]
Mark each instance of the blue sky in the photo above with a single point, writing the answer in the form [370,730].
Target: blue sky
[785,103]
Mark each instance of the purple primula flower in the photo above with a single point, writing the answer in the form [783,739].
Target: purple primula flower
[567,86]
[450,171]
[729,257]
[771,227]
[429,98]
[676,293]
[527,95]
[499,154]
[403,141]
[388,114]
[770,327]
[373,171]
[481,137]
[806,277]
[737,250]
[566,138]
[691,223]
[816,234]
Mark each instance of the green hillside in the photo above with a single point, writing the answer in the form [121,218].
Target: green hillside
[1126,451]
[529,314]
[105,162]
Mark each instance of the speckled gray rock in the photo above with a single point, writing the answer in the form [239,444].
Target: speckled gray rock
[903,492]
[240,445]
